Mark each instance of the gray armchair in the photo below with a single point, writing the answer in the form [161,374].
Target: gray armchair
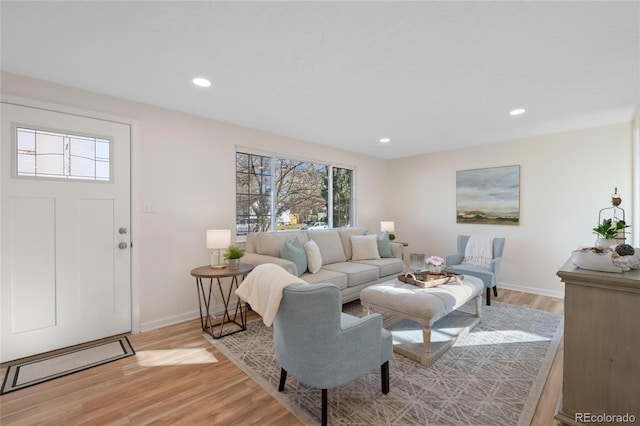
[324,348]
[489,276]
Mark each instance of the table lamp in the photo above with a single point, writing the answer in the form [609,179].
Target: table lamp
[218,240]
[389,227]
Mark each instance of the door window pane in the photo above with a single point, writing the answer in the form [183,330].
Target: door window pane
[49,154]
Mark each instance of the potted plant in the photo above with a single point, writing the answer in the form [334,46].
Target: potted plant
[233,255]
[608,231]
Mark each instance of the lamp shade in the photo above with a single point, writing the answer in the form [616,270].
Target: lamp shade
[387,226]
[218,238]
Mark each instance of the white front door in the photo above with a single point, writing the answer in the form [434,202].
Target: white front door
[65,226]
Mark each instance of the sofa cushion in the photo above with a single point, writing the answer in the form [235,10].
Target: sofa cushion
[314,257]
[250,243]
[294,251]
[270,243]
[326,276]
[345,237]
[357,273]
[387,266]
[330,245]
[364,247]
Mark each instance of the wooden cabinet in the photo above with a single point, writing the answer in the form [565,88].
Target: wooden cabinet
[601,378]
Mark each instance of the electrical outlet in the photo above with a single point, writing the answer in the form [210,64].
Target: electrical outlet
[148,207]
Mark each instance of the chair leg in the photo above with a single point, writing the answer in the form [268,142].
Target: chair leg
[324,407]
[283,378]
[495,291]
[488,296]
[384,373]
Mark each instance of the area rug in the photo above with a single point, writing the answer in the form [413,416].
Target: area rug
[36,371]
[492,376]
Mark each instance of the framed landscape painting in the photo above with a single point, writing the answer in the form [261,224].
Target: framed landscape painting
[488,196]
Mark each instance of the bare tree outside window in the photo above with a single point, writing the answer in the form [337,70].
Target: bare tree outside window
[253,193]
[301,190]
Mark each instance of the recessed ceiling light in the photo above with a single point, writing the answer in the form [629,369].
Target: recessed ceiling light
[202,82]
[385,140]
[517,111]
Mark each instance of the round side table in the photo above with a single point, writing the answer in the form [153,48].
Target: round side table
[204,298]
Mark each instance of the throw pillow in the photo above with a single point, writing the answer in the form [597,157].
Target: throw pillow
[294,251]
[364,247]
[345,236]
[384,245]
[314,258]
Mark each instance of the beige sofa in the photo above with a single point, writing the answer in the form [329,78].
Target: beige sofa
[338,266]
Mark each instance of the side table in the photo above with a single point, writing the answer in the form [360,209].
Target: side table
[204,298]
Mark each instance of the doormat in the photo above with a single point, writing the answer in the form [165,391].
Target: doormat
[41,370]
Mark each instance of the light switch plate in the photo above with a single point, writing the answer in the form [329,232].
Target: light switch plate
[148,207]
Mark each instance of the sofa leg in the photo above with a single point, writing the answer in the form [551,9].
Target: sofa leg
[384,373]
[488,296]
[283,378]
[324,407]
[495,291]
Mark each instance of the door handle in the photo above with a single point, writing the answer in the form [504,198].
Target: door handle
[123,245]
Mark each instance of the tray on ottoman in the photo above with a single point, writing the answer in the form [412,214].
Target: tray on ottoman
[426,279]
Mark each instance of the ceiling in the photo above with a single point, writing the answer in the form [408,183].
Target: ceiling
[430,76]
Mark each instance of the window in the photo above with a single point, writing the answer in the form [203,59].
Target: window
[282,194]
[342,189]
[253,193]
[49,154]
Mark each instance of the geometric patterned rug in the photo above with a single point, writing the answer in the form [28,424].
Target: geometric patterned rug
[494,375]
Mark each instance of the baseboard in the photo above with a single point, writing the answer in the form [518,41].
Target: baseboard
[532,290]
[187,316]
[164,322]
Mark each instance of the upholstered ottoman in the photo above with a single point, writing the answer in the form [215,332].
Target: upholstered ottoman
[397,300]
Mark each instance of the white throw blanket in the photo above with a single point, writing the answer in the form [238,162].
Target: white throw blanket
[263,288]
[479,251]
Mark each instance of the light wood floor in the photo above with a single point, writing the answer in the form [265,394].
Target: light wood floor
[172,380]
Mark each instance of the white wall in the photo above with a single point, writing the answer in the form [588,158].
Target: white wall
[187,170]
[565,179]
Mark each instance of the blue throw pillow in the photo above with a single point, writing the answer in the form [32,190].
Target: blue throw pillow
[294,251]
[384,245]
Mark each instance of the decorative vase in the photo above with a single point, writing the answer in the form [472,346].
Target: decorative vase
[233,263]
[416,262]
[605,242]
[435,269]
